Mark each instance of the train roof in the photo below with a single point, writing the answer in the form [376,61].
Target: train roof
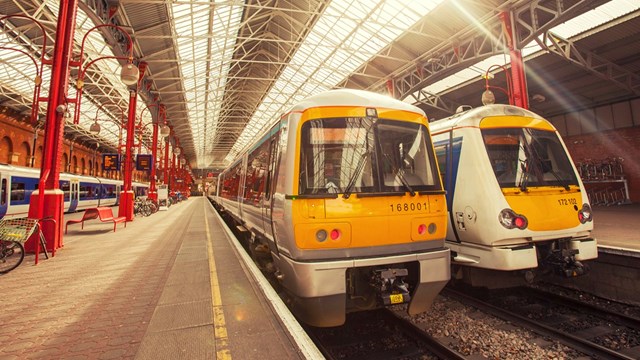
[352,97]
[472,117]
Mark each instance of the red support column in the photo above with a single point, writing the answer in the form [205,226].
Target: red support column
[126,195]
[50,202]
[153,194]
[518,77]
[165,166]
[172,178]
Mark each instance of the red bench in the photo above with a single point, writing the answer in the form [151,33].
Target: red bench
[104,214]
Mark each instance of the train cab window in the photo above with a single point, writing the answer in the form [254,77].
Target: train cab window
[522,157]
[406,159]
[364,155]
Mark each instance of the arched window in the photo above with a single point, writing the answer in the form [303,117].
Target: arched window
[65,162]
[25,154]
[83,167]
[90,167]
[39,157]
[74,165]
[6,149]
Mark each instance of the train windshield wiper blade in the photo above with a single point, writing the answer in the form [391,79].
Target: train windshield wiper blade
[403,180]
[524,178]
[356,173]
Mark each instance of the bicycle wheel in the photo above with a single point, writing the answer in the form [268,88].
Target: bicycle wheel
[11,255]
[146,209]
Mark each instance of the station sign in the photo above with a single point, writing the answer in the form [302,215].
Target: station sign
[110,162]
[144,162]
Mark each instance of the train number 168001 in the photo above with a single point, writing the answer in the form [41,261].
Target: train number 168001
[408,207]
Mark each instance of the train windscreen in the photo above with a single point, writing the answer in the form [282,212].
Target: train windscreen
[365,155]
[523,157]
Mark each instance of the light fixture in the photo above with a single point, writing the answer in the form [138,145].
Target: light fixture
[165,130]
[538,98]
[95,128]
[488,97]
[129,74]
[176,151]
[183,161]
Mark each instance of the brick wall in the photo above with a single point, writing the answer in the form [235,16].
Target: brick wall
[624,143]
[17,133]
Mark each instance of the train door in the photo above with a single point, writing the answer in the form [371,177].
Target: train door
[74,194]
[267,208]
[4,194]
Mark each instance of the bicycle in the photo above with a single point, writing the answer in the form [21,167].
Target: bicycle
[13,234]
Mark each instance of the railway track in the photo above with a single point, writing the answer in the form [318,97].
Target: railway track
[596,332]
[379,334]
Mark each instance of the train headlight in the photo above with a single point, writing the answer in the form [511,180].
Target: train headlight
[584,215]
[510,220]
[422,228]
[335,234]
[321,235]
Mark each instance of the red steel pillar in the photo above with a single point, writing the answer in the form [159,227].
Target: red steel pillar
[518,77]
[172,178]
[126,195]
[50,202]
[153,193]
[165,166]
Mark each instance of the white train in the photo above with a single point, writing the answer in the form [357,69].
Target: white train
[515,200]
[342,201]
[80,192]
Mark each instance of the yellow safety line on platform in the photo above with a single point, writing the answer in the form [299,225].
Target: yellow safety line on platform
[219,326]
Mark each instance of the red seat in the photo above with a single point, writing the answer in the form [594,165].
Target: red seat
[104,214]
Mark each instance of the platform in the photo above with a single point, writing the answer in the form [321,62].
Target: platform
[616,227]
[169,286]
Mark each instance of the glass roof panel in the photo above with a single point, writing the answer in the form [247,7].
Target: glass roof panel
[346,35]
[205,51]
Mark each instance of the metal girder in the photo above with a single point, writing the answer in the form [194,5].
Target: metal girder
[422,97]
[450,58]
[469,46]
[533,18]
[591,62]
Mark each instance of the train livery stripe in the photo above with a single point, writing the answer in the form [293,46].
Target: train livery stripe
[490,122]
[219,325]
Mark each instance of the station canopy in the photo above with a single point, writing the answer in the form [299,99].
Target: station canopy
[225,71]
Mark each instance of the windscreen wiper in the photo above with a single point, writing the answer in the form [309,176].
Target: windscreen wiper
[524,178]
[403,180]
[356,173]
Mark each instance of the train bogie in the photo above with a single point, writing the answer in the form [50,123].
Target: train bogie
[515,201]
[344,196]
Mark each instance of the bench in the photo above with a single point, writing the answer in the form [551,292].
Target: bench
[104,214]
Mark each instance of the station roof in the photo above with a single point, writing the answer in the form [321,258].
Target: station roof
[224,71]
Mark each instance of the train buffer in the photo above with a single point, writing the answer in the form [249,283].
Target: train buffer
[104,214]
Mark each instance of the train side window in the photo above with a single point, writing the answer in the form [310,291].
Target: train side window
[271,163]
[442,154]
[17,191]
[64,186]
[256,173]
[3,196]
